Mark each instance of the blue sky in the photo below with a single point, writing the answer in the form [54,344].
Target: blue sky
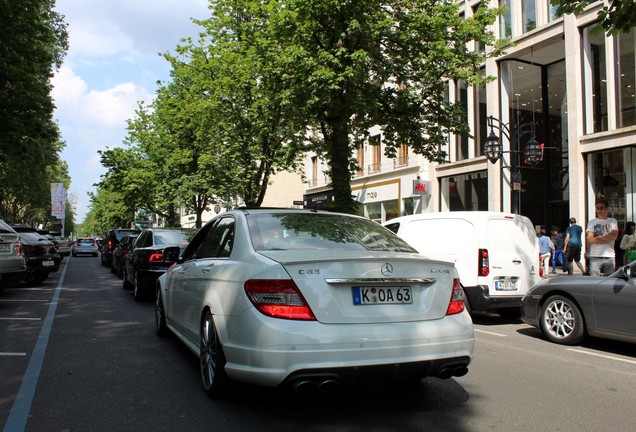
[112,63]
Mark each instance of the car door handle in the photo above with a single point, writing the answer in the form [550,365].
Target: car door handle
[516,261]
[207,268]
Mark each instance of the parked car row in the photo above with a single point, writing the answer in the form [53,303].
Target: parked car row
[310,300]
[137,255]
[26,255]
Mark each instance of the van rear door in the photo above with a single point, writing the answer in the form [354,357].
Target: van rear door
[446,239]
[513,256]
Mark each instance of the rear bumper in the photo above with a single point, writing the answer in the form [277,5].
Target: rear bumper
[282,355]
[481,300]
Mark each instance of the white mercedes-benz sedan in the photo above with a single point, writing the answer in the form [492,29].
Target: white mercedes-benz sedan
[312,300]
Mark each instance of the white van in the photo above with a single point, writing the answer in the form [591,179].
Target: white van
[496,254]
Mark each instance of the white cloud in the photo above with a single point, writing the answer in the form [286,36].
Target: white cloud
[112,63]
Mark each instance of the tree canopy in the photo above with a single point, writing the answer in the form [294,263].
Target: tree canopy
[267,81]
[33,41]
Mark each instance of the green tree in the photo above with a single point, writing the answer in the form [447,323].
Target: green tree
[33,41]
[351,65]
[618,16]
[244,121]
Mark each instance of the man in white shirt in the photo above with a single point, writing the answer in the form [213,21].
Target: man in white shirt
[601,233]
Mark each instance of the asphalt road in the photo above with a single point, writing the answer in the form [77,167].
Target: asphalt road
[77,353]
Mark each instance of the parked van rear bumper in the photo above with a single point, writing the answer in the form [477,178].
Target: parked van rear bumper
[481,300]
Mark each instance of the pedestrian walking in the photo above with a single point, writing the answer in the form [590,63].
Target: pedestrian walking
[601,233]
[573,244]
[545,250]
[628,243]
[558,254]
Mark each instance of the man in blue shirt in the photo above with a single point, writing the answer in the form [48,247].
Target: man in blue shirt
[573,245]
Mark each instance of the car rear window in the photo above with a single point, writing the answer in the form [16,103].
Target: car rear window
[86,241]
[302,231]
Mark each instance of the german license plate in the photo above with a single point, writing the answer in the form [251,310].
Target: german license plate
[382,295]
[506,285]
[5,247]
[47,263]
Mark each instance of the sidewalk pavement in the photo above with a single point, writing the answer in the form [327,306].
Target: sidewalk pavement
[560,272]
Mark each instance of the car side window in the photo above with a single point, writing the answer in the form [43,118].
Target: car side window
[218,242]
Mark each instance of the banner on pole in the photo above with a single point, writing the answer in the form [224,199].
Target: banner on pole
[58,200]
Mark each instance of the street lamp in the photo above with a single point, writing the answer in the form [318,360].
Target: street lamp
[493,149]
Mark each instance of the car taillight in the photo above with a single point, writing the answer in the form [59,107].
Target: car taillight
[19,248]
[483,268]
[154,257]
[278,298]
[456,304]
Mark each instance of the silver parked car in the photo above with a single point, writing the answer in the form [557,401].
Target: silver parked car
[311,300]
[12,264]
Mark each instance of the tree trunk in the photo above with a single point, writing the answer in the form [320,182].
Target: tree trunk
[338,154]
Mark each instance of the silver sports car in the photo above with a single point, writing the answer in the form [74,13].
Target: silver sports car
[567,309]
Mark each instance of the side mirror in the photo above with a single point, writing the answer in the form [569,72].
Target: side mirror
[626,271]
[171,254]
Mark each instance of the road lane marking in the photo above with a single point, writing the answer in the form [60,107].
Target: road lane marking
[602,355]
[18,319]
[19,414]
[490,333]
[12,354]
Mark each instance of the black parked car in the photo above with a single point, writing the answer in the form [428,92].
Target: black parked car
[111,241]
[145,262]
[120,253]
[39,253]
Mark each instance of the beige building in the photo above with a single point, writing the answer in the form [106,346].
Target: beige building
[562,88]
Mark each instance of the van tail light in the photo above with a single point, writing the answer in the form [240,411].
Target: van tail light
[456,304]
[278,298]
[483,268]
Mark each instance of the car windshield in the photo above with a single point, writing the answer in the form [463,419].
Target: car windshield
[298,231]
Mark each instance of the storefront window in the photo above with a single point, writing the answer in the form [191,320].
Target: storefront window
[465,192]
[609,171]
[595,76]
[391,210]
[409,206]
[374,211]
[625,80]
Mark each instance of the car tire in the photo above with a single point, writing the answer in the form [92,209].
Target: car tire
[137,288]
[561,321]
[124,281]
[113,270]
[120,271]
[160,316]
[211,359]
